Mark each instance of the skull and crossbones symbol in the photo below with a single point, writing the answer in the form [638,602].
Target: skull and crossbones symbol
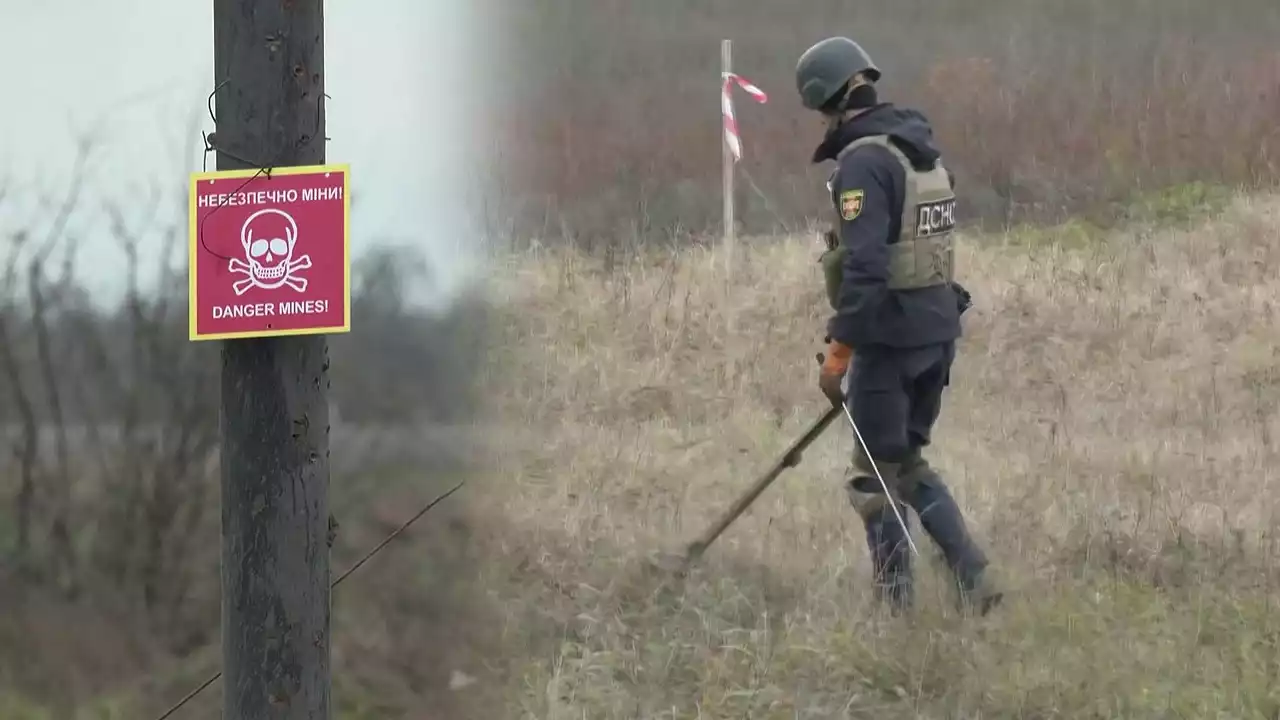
[270,262]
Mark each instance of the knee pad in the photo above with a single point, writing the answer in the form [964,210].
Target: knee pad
[865,493]
[869,505]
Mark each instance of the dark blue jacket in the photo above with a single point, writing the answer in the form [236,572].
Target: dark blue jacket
[870,314]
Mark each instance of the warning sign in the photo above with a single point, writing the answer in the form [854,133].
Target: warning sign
[270,256]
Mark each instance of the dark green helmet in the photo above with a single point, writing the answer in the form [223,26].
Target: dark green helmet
[825,69]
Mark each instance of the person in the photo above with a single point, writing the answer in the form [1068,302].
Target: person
[889,270]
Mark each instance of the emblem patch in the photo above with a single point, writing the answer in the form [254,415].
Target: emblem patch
[851,204]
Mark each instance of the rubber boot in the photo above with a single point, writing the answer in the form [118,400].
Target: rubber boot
[886,541]
[941,518]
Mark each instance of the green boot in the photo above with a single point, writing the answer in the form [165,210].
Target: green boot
[981,593]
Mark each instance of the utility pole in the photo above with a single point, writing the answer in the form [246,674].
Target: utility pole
[727,164]
[269,75]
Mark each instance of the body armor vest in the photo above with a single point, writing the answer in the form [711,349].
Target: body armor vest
[923,254]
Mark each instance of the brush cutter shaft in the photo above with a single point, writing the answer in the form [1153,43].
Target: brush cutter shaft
[790,458]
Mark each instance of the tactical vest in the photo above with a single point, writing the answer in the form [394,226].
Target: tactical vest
[924,253]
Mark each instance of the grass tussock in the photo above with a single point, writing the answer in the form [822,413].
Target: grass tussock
[1110,432]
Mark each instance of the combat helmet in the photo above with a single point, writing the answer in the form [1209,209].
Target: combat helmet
[824,70]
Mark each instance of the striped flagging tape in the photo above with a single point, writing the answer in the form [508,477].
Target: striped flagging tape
[726,105]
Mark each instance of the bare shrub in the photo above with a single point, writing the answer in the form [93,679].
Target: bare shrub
[109,491]
[1044,109]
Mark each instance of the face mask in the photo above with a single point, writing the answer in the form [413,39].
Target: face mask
[861,97]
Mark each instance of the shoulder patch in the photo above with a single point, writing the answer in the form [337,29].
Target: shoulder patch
[851,204]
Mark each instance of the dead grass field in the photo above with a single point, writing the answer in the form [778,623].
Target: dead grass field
[1110,431]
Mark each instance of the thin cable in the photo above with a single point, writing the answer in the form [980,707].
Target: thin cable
[398,530]
[210,145]
[768,203]
[335,583]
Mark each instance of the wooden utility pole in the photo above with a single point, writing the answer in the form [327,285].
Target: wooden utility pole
[269,74]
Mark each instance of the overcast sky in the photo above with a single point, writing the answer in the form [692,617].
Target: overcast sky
[134,71]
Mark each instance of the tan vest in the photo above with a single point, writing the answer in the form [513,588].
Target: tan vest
[924,253]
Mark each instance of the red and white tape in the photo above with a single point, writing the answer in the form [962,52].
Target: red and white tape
[726,106]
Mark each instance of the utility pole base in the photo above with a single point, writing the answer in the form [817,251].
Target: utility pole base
[275,523]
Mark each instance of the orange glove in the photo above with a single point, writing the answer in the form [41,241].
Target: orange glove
[834,367]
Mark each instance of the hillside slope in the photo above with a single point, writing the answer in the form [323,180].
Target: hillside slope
[1110,431]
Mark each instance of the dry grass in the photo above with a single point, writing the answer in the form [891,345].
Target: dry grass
[1110,431]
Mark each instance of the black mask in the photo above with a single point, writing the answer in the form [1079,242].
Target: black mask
[860,98]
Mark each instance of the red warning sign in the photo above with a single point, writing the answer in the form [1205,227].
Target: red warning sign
[270,255]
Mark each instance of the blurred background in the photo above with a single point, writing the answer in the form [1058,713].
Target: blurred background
[1045,109]
[108,455]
